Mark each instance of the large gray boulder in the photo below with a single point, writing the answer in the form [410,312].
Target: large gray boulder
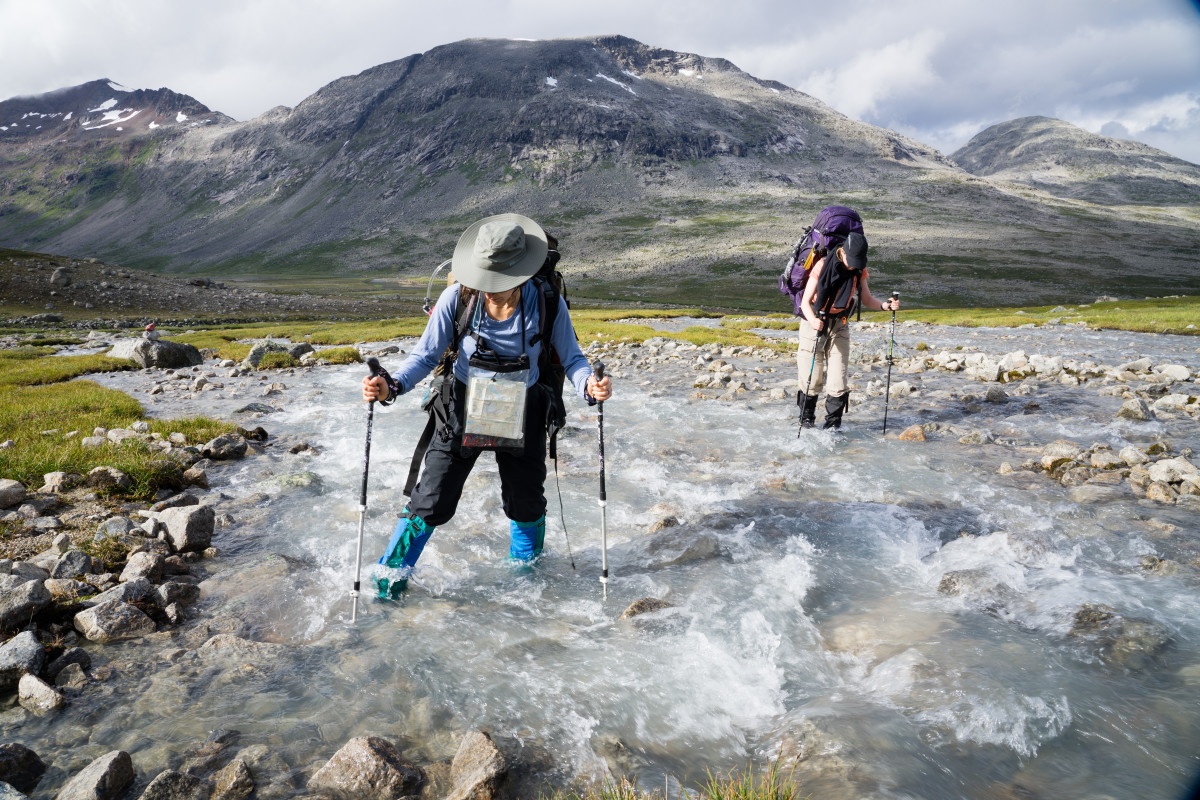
[224,447]
[368,768]
[21,655]
[189,528]
[20,600]
[104,779]
[112,622]
[172,785]
[12,493]
[158,353]
[37,696]
[478,768]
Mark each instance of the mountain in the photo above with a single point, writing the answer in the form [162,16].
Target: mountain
[668,177]
[99,109]
[1069,162]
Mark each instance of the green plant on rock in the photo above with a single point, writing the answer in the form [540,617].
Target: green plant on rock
[278,361]
[341,355]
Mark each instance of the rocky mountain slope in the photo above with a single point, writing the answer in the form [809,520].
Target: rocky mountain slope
[1069,162]
[668,176]
[99,110]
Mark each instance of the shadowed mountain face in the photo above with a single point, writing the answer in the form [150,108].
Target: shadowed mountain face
[668,176]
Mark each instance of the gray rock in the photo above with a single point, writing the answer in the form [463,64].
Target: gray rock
[1172,470]
[172,785]
[233,782]
[7,792]
[176,501]
[109,478]
[143,565]
[55,482]
[72,564]
[104,779]
[72,655]
[177,593]
[60,278]
[20,767]
[68,588]
[1176,372]
[225,446]
[116,526]
[260,349]
[1135,409]
[159,353]
[20,602]
[644,606]
[1132,456]
[368,768]
[478,769]
[189,528]
[38,697]
[1127,642]
[23,654]
[71,677]
[996,395]
[12,493]
[112,622]
[131,591]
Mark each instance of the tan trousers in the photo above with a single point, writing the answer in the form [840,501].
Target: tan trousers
[834,349]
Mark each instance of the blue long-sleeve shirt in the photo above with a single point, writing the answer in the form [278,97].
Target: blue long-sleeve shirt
[508,338]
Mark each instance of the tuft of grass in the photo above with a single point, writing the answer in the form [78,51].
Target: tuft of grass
[278,361]
[108,550]
[341,355]
[736,785]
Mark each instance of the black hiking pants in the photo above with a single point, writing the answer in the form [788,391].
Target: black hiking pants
[447,465]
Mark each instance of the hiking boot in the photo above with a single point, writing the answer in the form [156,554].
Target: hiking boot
[808,409]
[526,539]
[834,406]
[390,576]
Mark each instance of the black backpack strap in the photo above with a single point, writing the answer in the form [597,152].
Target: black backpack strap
[438,404]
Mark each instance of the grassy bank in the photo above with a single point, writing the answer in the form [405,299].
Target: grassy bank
[46,415]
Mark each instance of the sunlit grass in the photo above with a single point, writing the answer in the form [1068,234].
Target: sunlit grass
[770,784]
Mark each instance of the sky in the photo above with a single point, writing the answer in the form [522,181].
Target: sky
[939,71]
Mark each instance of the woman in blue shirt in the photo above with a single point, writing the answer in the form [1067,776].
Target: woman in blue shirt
[495,258]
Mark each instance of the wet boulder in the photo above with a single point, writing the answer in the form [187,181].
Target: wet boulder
[1135,409]
[1123,641]
[104,779]
[644,606]
[73,655]
[913,433]
[38,697]
[172,785]
[368,768]
[478,769]
[189,528]
[113,621]
[224,447]
[234,781]
[20,767]
[1058,453]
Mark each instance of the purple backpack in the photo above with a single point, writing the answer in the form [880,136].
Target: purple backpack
[831,227]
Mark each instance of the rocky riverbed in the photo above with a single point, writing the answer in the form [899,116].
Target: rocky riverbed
[238,691]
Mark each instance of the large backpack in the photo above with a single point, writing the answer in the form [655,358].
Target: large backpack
[828,231]
[550,286]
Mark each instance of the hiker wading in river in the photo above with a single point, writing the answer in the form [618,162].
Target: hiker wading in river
[495,395]
[836,287]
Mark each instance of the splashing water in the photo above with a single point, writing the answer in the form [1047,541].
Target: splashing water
[805,617]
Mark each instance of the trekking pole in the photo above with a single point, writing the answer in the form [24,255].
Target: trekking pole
[376,369]
[811,367]
[887,392]
[598,372]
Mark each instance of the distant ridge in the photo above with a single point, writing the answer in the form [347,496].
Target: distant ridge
[1068,161]
[669,177]
[100,108]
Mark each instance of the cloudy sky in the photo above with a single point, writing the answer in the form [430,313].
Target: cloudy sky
[937,70]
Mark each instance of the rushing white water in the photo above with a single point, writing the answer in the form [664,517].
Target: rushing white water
[803,578]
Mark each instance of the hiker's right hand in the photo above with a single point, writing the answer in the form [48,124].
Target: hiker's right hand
[818,324]
[374,388]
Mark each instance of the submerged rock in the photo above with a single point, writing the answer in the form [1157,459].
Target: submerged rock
[104,779]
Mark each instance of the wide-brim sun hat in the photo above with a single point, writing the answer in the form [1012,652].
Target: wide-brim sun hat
[499,253]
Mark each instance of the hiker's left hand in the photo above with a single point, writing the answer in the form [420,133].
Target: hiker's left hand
[599,390]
